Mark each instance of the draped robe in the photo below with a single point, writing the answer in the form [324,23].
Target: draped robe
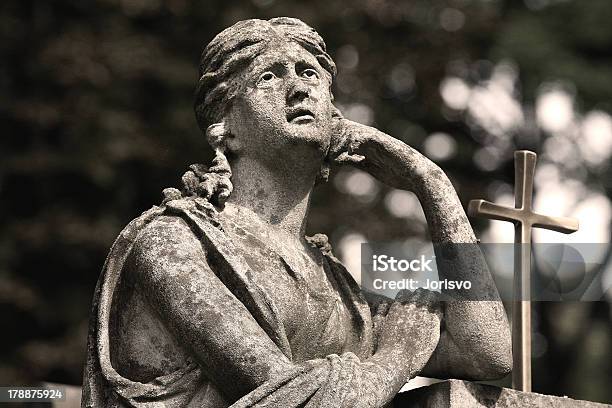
[329,370]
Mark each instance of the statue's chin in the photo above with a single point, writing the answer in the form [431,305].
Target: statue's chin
[310,136]
[292,142]
[310,148]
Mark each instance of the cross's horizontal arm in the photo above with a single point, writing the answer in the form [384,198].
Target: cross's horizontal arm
[560,224]
[486,209]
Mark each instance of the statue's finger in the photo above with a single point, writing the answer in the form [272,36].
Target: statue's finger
[347,158]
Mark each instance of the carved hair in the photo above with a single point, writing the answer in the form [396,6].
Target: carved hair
[234,48]
[212,184]
[222,60]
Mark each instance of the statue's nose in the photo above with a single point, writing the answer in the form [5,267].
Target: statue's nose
[297,91]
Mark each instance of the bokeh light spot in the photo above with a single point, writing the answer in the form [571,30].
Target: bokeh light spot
[440,146]
[452,19]
[554,109]
[455,93]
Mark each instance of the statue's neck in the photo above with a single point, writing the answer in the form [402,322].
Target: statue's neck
[279,197]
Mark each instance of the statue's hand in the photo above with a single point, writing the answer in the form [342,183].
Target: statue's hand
[347,138]
[412,327]
[388,159]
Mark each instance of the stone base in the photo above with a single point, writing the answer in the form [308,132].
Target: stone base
[465,394]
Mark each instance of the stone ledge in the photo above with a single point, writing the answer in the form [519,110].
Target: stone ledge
[465,394]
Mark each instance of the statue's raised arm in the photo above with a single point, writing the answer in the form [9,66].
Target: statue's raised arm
[475,341]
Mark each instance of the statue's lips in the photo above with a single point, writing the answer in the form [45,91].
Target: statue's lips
[300,115]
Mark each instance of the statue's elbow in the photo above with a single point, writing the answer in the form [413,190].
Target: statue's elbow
[499,353]
[498,364]
[500,367]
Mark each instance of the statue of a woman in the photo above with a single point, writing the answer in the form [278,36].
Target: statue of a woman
[217,298]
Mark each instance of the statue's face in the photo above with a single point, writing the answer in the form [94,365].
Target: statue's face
[284,103]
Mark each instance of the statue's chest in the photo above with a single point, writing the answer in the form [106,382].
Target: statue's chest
[314,315]
[305,297]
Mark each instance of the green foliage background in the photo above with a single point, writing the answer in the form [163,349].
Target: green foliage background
[96,119]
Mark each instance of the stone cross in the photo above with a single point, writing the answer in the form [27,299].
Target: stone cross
[524,219]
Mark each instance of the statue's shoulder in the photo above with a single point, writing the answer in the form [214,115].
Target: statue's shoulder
[165,229]
[165,240]
[176,230]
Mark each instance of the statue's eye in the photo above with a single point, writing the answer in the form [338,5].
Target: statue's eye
[266,78]
[310,73]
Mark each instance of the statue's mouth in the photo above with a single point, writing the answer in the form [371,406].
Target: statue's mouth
[300,115]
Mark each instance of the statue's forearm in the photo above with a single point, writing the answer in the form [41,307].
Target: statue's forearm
[458,255]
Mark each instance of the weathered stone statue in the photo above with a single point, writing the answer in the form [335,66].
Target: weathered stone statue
[216,297]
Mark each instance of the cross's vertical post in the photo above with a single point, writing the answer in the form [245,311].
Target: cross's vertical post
[524,169]
[524,218]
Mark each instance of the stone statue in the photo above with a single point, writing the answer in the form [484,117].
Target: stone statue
[216,298]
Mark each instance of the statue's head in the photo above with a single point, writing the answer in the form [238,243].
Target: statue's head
[264,90]
[267,84]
